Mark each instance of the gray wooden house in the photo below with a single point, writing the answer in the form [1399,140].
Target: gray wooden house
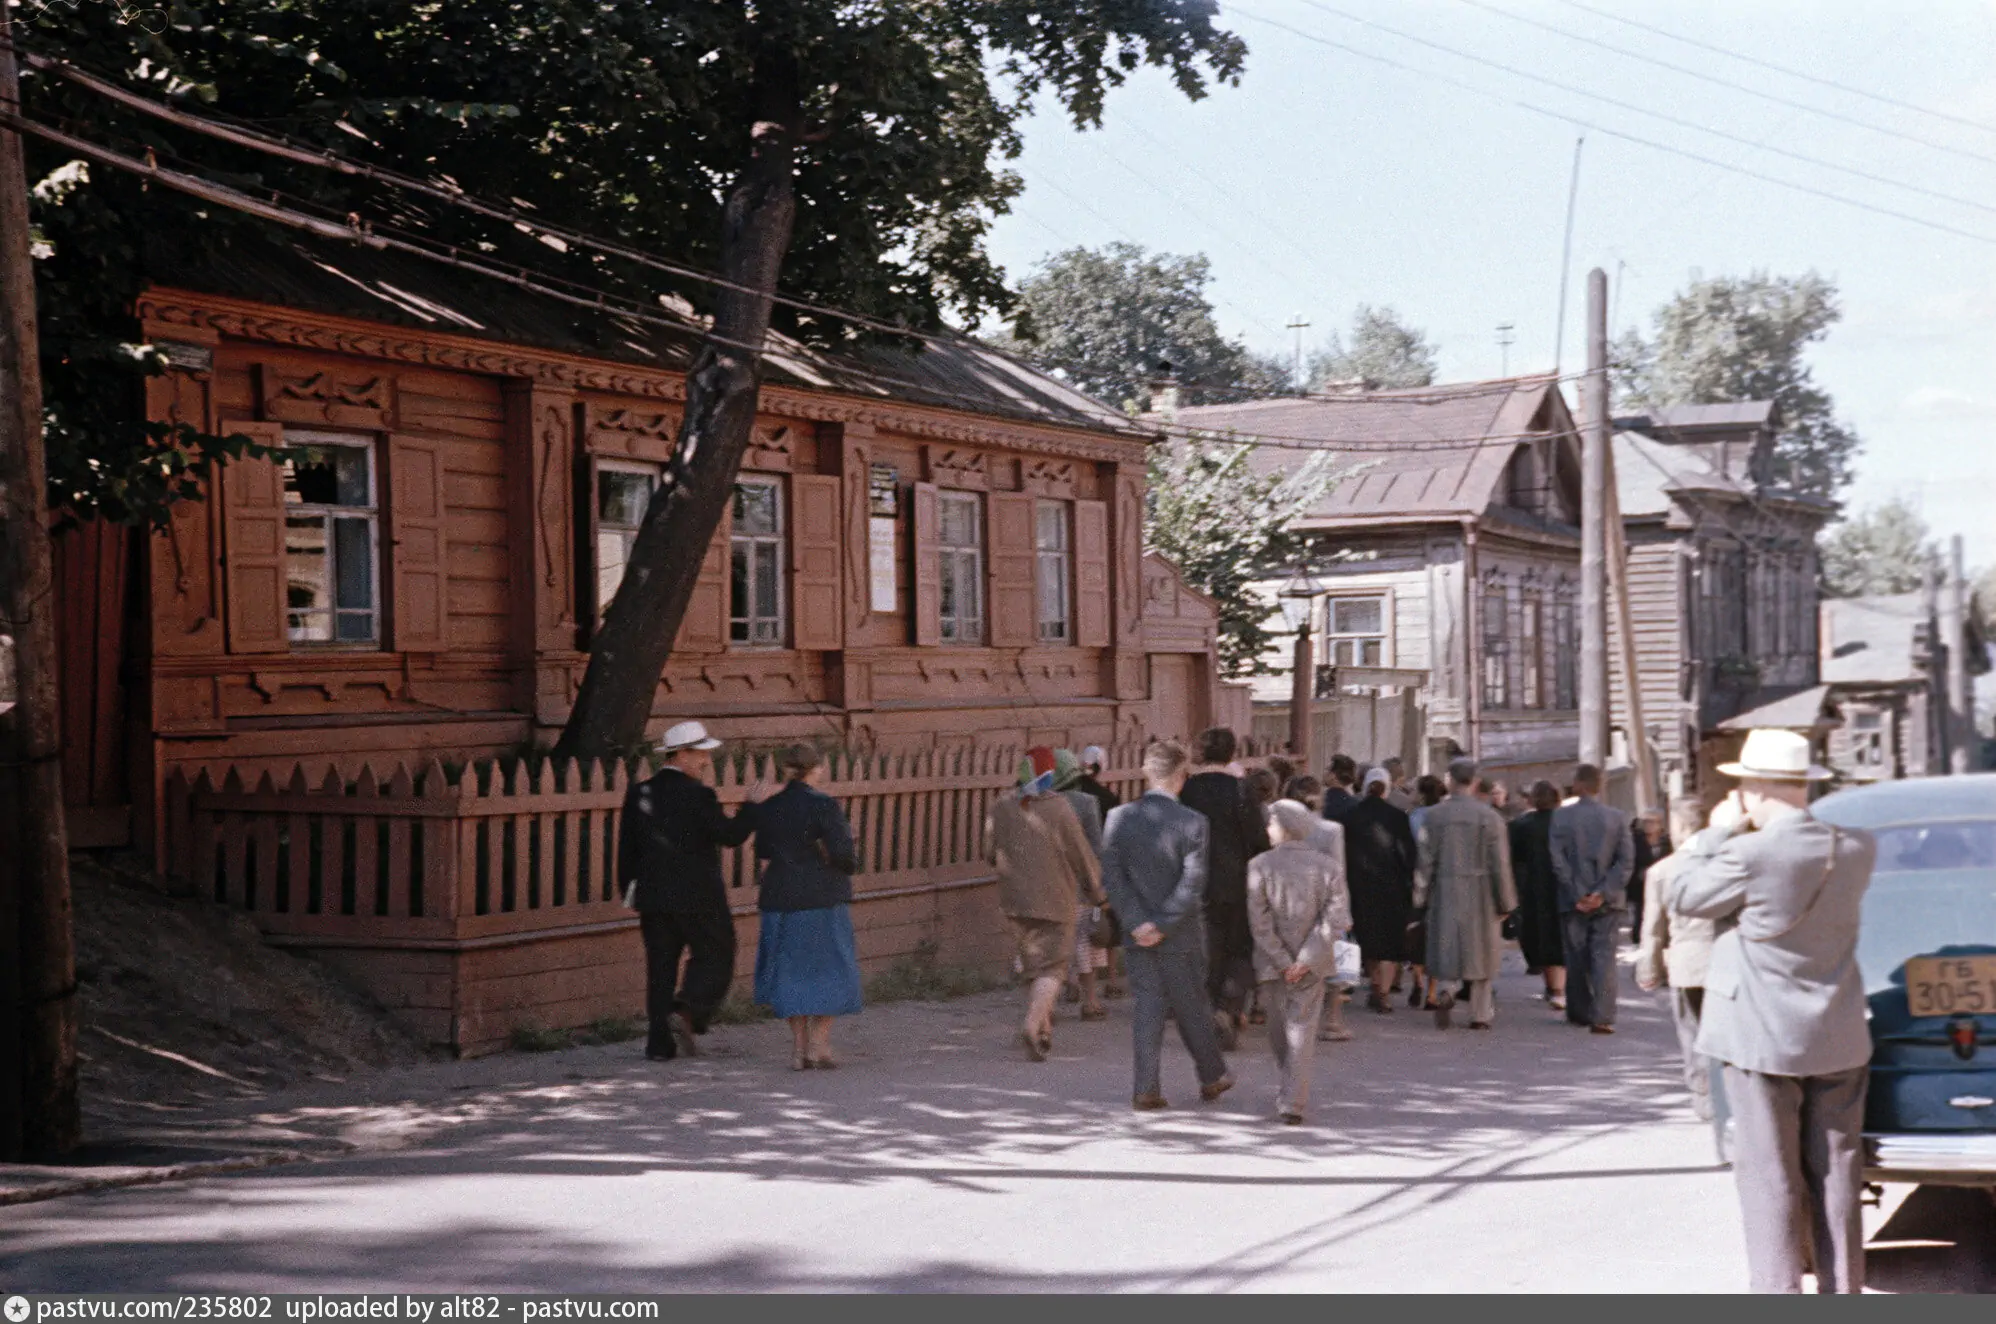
[1723,581]
[1467,500]
[1889,682]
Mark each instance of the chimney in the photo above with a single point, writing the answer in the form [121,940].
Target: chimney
[1164,392]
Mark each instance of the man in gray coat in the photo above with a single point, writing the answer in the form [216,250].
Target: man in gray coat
[1465,885]
[1593,854]
[1784,1010]
[1154,870]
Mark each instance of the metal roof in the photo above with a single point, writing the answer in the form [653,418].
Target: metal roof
[1424,453]
[1873,640]
[352,281]
[1731,416]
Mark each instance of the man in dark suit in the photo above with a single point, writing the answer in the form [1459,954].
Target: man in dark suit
[1154,870]
[1235,835]
[669,865]
[1341,776]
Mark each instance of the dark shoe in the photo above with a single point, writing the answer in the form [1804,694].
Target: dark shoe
[1229,1034]
[822,1063]
[1292,1119]
[653,1055]
[682,1034]
[1601,1029]
[1444,1009]
[1150,1103]
[1211,1092]
[1479,1025]
[1035,1047]
[1414,997]
[1094,1013]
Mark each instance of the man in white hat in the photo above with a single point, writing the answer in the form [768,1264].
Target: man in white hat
[669,865]
[1784,1010]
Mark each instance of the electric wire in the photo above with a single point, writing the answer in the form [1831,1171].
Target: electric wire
[1715,80]
[1565,117]
[1666,117]
[1782,69]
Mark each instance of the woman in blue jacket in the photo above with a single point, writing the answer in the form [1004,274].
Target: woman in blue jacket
[806,966]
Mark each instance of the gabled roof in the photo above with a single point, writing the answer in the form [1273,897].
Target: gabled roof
[353,281]
[1732,416]
[1648,472]
[1873,640]
[1436,452]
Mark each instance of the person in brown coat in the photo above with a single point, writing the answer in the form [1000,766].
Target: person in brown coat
[1046,870]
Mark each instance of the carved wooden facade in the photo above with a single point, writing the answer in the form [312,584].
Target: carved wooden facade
[479,471]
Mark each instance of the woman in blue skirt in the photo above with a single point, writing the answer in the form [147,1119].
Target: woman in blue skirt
[806,967]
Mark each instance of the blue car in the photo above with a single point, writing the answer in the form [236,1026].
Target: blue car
[1928,955]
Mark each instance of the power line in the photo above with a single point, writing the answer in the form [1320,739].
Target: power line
[1783,69]
[1639,109]
[1565,117]
[1717,81]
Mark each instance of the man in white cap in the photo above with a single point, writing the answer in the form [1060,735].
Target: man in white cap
[669,865]
[1784,1010]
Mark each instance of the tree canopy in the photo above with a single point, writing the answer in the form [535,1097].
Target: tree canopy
[1886,549]
[626,119]
[1105,319]
[1382,351]
[1735,338]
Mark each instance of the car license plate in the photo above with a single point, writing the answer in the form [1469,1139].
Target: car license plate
[1951,985]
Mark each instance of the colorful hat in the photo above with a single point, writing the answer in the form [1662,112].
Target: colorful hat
[1037,770]
[1066,769]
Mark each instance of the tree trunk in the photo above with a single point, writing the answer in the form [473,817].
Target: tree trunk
[39,1113]
[631,648]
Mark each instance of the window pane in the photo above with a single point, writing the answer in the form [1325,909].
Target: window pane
[1357,615]
[738,593]
[958,521]
[612,552]
[755,508]
[951,608]
[326,476]
[308,574]
[621,498]
[1051,528]
[1341,653]
[353,562]
[350,475]
[1370,653]
[356,627]
[765,581]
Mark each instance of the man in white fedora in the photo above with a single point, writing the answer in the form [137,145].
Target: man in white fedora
[669,865]
[1784,1010]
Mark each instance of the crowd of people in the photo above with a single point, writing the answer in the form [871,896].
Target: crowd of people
[1229,894]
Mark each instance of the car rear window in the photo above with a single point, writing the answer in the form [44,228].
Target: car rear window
[1934,886]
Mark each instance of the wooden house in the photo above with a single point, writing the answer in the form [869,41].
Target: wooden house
[1884,658]
[924,549]
[1463,502]
[1722,581]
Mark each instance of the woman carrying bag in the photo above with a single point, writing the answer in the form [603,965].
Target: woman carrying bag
[806,965]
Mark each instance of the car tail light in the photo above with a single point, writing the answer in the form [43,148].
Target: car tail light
[1962,1034]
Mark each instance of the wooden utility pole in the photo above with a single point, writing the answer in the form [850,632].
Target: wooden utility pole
[1594,528]
[38,1103]
[1626,654]
[1962,744]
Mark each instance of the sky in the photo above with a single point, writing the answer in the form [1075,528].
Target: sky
[1327,179]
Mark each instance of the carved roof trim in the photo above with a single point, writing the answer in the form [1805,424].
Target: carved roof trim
[298,329]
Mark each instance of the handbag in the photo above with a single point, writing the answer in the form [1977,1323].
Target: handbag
[1416,948]
[1108,930]
[1509,928]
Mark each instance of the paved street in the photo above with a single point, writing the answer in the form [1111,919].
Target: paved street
[1533,1158]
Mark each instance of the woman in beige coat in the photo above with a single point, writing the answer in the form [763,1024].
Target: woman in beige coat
[1298,906]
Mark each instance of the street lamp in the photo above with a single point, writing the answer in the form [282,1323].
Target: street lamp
[1298,599]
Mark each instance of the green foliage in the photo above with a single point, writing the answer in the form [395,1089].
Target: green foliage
[1104,319]
[1225,524]
[612,1030]
[536,1039]
[1886,549]
[920,977]
[1738,338]
[628,119]
[1382,351]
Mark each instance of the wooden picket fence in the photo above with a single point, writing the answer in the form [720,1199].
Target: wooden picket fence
[438,855]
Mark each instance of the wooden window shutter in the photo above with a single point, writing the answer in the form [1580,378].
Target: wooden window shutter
[928,576]
[1014,607]
[587,608]
[417,562]
[253,575]
[816,599]
[1091,574]
[705,626]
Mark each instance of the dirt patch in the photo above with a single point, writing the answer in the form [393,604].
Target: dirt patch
[185,1006]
